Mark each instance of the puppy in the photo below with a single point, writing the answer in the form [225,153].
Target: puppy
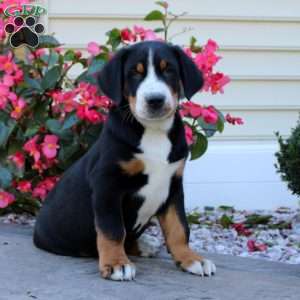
[104,201]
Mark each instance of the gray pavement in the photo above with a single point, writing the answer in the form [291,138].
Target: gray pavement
[28,273]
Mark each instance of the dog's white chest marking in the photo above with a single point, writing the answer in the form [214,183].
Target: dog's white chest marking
[156,148]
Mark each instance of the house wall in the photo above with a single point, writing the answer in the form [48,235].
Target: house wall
[260,45]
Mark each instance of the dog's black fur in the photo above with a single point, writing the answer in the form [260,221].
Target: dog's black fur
[94,192]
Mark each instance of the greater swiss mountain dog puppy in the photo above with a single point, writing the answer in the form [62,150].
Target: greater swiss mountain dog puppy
[103,203]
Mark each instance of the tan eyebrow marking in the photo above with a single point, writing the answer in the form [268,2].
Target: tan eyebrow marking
[163,64]
[140,68]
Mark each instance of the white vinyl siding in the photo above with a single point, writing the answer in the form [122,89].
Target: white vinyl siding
[260,45]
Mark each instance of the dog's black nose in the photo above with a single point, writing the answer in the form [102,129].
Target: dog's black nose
[156,101]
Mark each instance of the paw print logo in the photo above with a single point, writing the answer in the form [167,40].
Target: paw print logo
[24,31]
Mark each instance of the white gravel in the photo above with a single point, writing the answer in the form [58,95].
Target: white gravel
[282,245]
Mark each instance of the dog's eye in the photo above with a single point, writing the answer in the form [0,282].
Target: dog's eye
[134,73]
[168,70]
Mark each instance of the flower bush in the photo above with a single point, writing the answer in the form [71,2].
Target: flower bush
[48,119]
[288,158]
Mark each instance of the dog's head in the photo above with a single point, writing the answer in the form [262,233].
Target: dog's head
[151,77]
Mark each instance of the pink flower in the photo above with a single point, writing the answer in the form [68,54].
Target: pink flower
[6,63]
[58,50]
[4,92]
[127,35]
[150,35]
[93,48]
[253,246]
[234,120]
[64,101]
[217,82]
[24,186]
[39,192]
[50,182]
[49,146]
[94,116]
[241,229]
[78,54]
[207,59]
[191,109]
[32,148]
[194,110]
[8,80]
[6,199]
[189,135]
[210,116]
[18,158]
[2,31]
[144,34]
[36,54]
[43,187]
[18,107]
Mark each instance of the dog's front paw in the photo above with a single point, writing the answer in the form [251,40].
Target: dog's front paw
[124,272]
[203,267]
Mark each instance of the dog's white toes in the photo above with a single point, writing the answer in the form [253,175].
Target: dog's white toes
[123,273]
[209,267]
[195,268]
[148,245]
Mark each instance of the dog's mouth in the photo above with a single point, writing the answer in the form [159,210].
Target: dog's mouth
[153,115]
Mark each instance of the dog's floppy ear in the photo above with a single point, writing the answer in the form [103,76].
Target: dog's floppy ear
[110,78]
[191,76]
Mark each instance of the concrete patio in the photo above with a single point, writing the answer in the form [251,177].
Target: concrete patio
[28,273]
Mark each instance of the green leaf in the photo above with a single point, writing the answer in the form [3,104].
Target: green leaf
[193,217]
[41,112]
[32,83]
[5,132]
[5,177]
[256,219]
[160,29]
[96,65]
[51,78]
[226,221]
[114,38]
[199,147]
[32,130]
[48,41]
[209,129]
[67,151]
[70,55]
[70,121]
[220,125]
[155,15]
[226,208]
[54,126]
[50,59]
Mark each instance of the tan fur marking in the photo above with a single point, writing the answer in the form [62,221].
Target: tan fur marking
[179,171]
[140,68]
[176,239]
[132,167]
[111,254]
[132,103]
[163,64]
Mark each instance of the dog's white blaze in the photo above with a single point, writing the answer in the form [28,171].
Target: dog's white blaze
[156,148]
[151,85]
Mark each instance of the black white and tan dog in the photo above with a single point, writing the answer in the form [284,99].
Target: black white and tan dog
[104,201]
